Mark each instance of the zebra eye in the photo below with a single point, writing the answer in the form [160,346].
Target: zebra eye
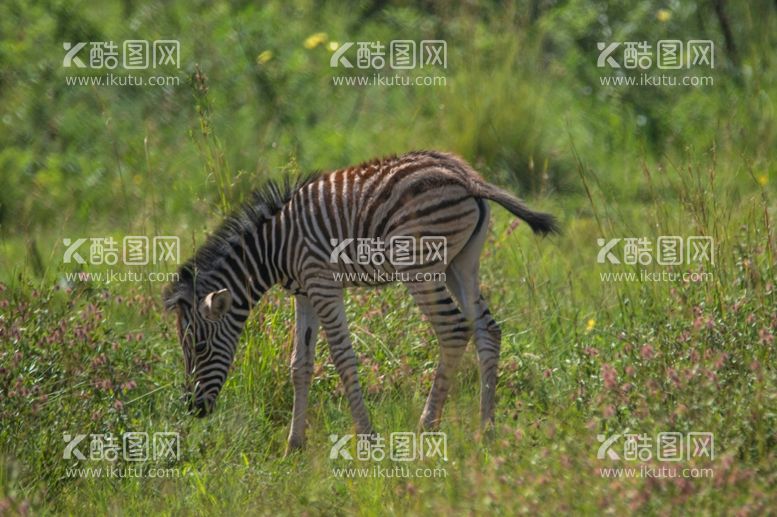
[200,347]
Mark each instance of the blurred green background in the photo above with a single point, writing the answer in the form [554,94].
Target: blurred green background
[522,89]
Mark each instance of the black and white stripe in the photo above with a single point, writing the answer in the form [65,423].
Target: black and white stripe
[285,236]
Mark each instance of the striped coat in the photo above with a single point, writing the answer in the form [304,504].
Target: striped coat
[420,219]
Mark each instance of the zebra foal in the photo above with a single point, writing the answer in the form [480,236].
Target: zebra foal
[305,237]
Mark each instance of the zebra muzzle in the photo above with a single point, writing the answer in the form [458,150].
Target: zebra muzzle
[200,407]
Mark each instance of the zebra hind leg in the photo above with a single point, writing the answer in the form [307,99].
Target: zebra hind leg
[463,279]
[453,333]
[488,340]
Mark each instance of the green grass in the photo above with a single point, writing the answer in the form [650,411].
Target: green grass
[710,370]
[581,356]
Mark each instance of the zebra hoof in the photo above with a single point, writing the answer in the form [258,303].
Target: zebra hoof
[429,424]
[294,444]
[488,431]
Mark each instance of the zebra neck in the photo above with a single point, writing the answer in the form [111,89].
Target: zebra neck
[260,260]
[254,260]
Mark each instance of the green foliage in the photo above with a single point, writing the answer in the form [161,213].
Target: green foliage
[523,103]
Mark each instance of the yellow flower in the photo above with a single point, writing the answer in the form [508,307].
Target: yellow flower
[333,45]
[663,15]
[264,57]
[315,40]
[589,326]
[763,179]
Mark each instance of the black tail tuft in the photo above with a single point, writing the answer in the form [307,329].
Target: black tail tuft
[541,223]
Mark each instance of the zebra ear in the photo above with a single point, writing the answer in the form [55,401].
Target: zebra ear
[216,304]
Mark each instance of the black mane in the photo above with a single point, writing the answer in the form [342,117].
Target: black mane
[265,202]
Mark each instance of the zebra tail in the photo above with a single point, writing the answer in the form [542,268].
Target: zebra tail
[540,223]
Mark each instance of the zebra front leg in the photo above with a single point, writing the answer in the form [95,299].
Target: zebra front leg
[302,359]
[453,333]
[330,308]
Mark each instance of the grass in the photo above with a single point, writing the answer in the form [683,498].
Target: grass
[582,355]
[580,358]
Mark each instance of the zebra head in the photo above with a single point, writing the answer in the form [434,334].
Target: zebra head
[208,333]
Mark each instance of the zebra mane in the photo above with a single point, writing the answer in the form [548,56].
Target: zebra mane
[265,202]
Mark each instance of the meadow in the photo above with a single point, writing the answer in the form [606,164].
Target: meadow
[592,348]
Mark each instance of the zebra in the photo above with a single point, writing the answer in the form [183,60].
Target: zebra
[303,236]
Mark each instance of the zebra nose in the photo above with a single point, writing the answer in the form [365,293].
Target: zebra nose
[200,407]
[187,400]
